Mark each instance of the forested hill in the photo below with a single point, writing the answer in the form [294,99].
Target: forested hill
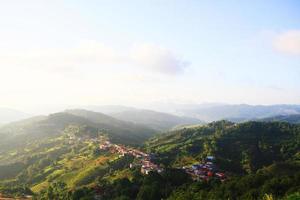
[238,148]
[18,133]
[262,159]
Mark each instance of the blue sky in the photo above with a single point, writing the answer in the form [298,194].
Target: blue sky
[139,52]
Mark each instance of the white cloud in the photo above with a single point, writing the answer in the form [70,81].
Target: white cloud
[288,42]
[92,54]
[158,59]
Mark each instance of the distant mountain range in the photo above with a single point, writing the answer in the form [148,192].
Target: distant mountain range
[156,120]
[293,119]
[237,113]
[165,117]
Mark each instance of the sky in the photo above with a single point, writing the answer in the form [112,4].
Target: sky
[99,52]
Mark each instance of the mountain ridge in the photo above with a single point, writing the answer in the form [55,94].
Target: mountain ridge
[157,120]
[54,124]
[236,112]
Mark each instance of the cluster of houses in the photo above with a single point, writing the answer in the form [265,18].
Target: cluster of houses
[122,150]
[146,165]
[205,170]
[143,159]
[105,145]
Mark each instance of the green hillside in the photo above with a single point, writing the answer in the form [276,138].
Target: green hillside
[76,163]
[262,159]
[239,148]
[62,147]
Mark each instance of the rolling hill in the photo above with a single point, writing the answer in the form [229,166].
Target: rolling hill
[42,127]
[119,130]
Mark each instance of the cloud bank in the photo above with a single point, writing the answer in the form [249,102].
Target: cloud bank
[288,42]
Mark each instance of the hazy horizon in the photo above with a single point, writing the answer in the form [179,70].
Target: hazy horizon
[133,53]
[162,107]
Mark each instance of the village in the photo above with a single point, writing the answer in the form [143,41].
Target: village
[143,159]
[205,171]
[201,171]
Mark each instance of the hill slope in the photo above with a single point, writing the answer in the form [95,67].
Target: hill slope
[76,162]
